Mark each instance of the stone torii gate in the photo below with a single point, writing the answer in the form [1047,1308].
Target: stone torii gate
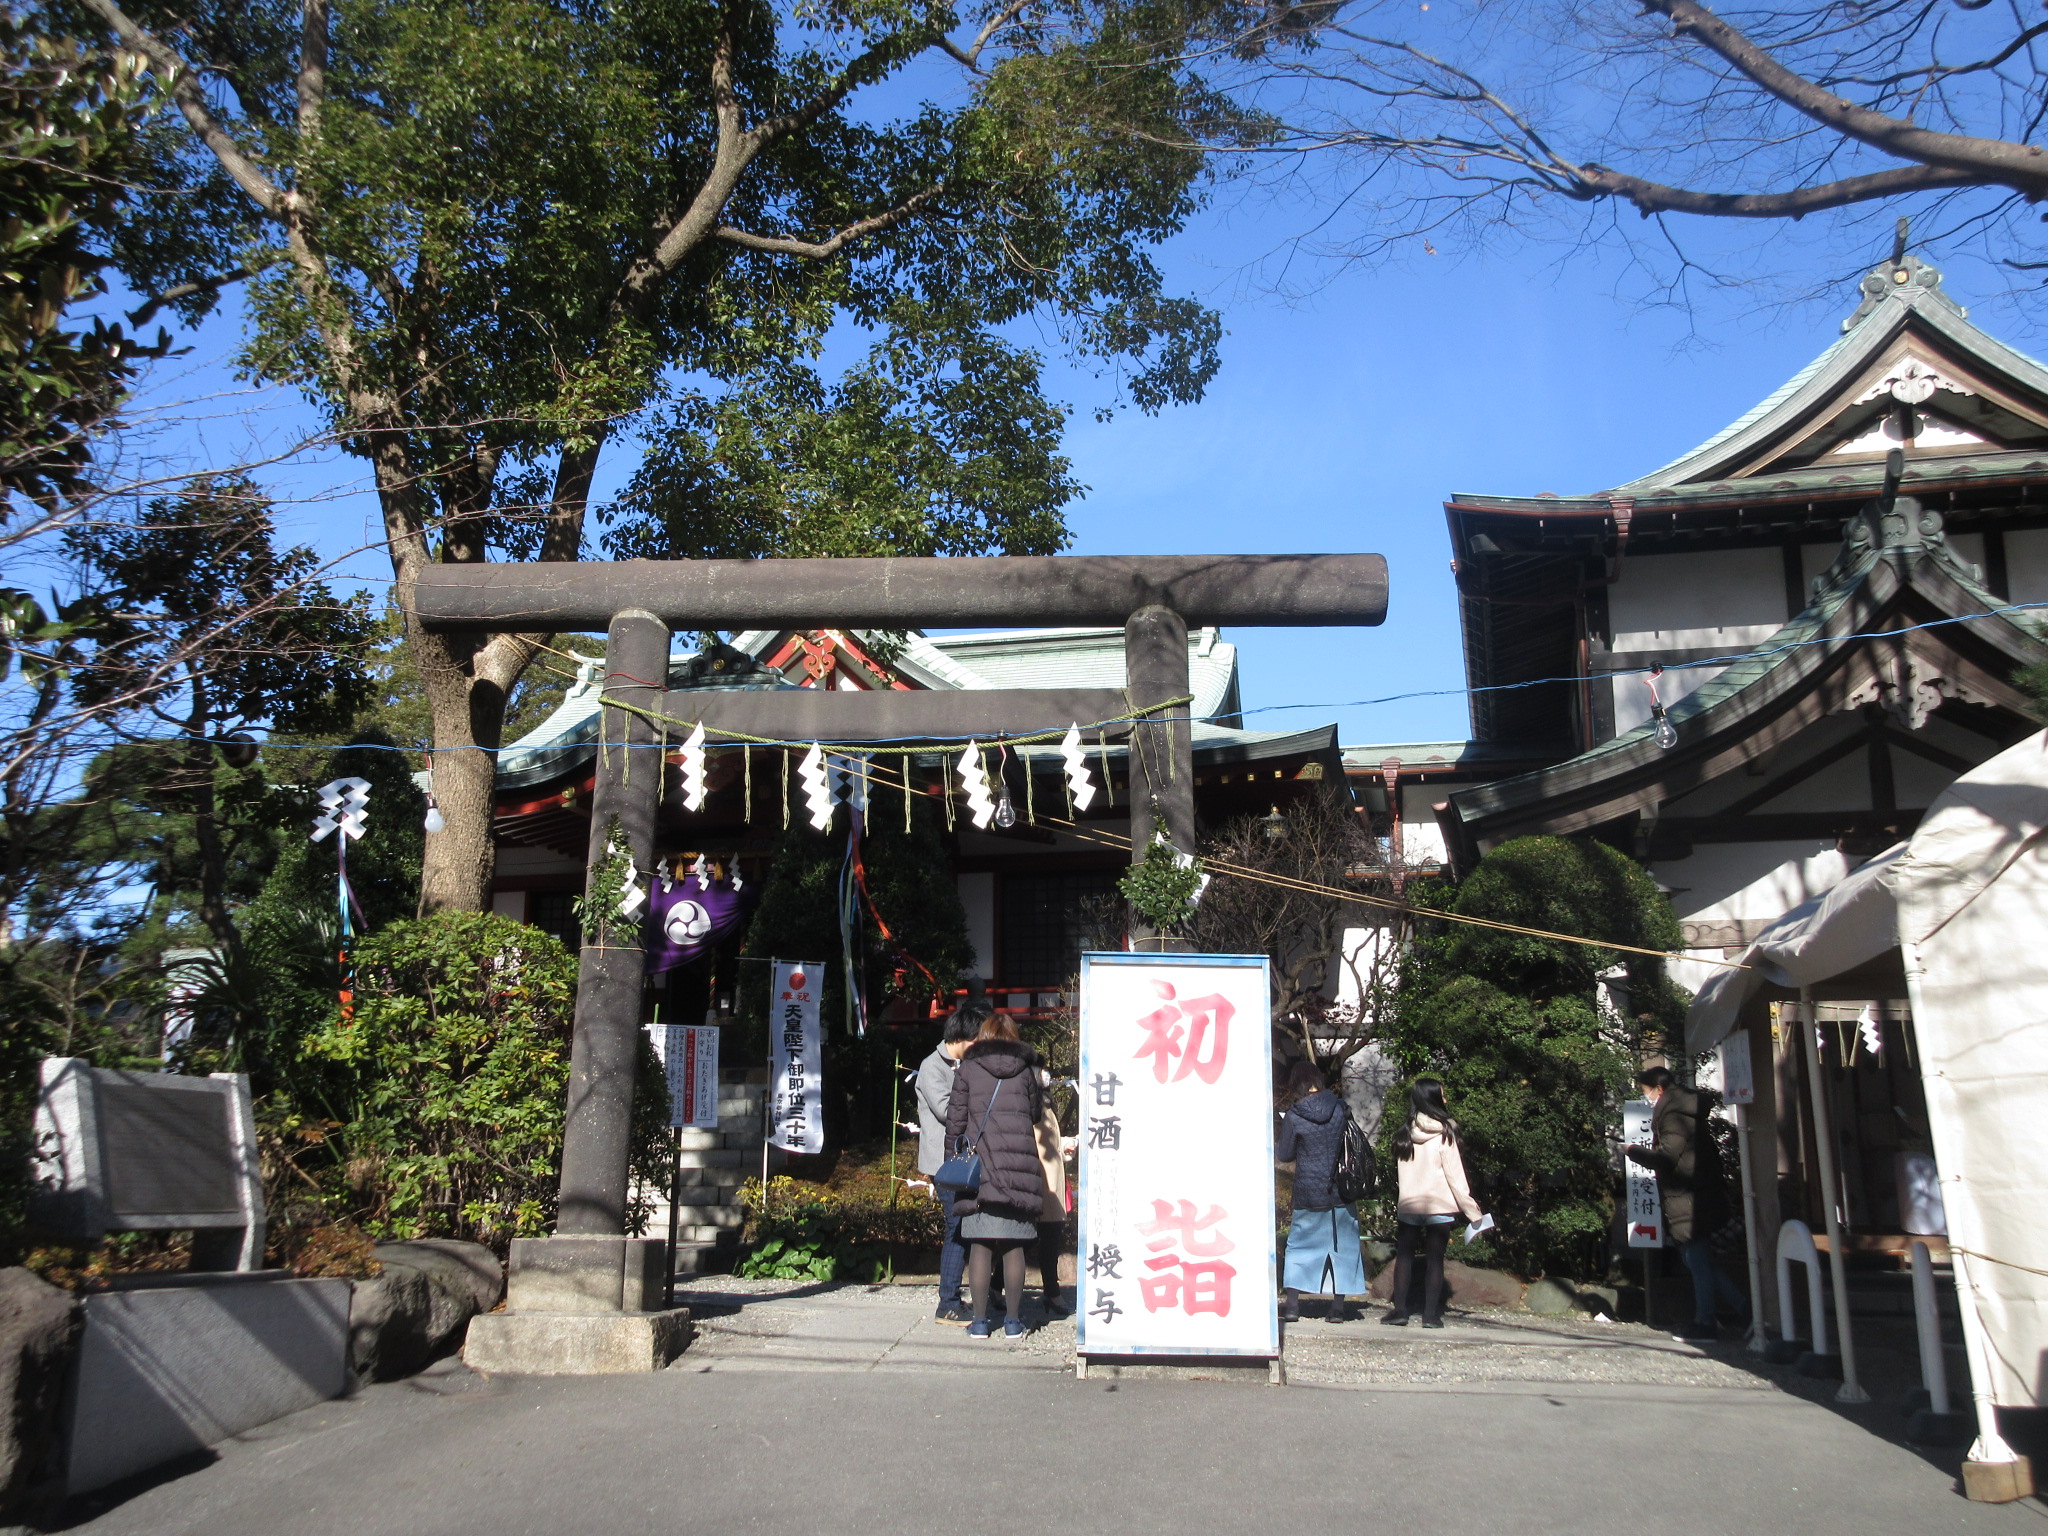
[586,1299]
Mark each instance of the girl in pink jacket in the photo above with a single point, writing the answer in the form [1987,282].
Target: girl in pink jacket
[1433,1196]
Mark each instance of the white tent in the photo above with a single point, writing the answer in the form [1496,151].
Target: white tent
[1965,904]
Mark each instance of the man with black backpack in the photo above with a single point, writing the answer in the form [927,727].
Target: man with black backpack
[1332,1167]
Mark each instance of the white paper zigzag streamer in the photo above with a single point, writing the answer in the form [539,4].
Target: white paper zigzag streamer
[342,804]
[1077,768]
[974,780]
[817,792]
[693,769]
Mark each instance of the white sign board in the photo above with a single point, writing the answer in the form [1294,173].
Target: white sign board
[796,1094]
[1645,1207]
[689,1053]
[1176,1180]
[1738,1081]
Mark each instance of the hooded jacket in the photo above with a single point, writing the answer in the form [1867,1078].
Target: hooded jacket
[1433,1175]
[1312,1137]
[934,1100]
[1011,1178]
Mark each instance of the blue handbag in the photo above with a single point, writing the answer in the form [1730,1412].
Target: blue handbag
[961,1172]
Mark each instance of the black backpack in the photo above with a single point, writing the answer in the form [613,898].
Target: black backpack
[1357,1173]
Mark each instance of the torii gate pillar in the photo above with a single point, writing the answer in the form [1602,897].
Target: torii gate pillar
[1162,760]
[584,1300]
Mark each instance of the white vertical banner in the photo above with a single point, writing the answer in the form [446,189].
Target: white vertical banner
[796,1093]
[691,1059]
[1645,1207]
[1176,1181]
[1738,1080]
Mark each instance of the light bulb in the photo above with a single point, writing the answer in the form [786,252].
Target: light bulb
[1667,733]
[436,822]
[1006,813]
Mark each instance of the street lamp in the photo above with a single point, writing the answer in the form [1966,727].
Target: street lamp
[1274,825]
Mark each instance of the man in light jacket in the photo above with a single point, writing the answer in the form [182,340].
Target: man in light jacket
[934,1098]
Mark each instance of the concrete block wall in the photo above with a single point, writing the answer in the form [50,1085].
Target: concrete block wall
[712,1165]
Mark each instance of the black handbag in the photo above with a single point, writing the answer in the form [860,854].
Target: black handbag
[961,1172]
[1356,1174]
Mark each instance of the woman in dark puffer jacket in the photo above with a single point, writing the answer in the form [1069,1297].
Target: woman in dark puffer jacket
[996,1105]
[1323,1253]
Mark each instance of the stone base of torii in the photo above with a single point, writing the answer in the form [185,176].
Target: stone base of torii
[587,1299]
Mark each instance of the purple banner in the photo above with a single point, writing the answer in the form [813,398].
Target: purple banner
[688,917]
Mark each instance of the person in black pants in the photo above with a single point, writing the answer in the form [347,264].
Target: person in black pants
[995,1109]
[1434,1195]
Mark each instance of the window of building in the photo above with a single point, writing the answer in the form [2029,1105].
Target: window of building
[1048,919]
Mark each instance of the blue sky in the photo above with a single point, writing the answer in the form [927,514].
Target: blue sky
[1340,421]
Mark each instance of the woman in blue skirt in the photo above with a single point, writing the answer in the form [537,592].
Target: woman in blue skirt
[1322,1239]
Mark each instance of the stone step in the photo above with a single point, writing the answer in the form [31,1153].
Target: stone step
[711,1215]
[705,1258]
[710,1157]
[712,1178]
[692,1140]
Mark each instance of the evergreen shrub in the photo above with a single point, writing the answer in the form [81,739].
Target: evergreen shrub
[1533,1063]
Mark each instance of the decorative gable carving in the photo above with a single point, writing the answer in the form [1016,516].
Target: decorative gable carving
[1881,436]
[1911,380]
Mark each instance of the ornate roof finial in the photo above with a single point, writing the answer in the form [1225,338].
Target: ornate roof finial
[1901,277]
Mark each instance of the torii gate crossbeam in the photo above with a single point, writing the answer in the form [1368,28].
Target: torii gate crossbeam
[590,1270]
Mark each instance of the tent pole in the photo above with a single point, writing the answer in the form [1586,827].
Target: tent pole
[1990,1446]
[1758,1339]
[1824,1145]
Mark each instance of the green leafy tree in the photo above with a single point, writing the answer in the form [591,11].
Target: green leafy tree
[212,629]
[70,119]
[441,1109]
[491,238]
[1532,1061]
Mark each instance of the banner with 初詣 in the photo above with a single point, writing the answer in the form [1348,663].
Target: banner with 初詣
[1176,1181]
[796,1095]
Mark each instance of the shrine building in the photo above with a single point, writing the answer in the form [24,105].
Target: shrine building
[1827,583]
[1026,889]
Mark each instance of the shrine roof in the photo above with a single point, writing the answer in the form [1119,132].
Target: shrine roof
[1904,582]
[1035,658]
[1982,414]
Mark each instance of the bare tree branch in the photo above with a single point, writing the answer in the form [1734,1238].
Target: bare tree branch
[184,87]
[207,285]
[2023,167]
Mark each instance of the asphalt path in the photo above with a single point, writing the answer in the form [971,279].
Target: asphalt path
[814,1417]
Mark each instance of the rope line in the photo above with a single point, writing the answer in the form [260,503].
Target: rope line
[1137,713]
[1310,887]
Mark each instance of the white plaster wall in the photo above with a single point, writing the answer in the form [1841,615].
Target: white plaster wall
[1422,840]
[1692,973]
[510,904]
[978,896]
[1731,881]
[1841,786]
[1814,559]
[2026,565]
[1632,695]
[1730,597]
[1969,548]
